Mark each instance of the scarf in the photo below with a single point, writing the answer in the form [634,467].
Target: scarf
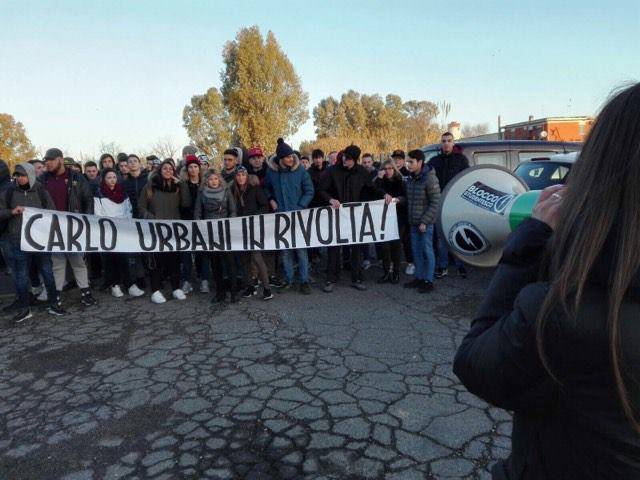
[116,195]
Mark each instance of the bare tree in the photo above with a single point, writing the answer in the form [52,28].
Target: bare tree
[473,130]
[164,147]
[112,148]
[444,108]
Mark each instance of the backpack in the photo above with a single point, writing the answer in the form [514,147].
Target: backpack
[8,197]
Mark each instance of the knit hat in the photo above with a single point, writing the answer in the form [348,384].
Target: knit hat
[188,150]
[191,159]
[255,152]
[283,150]
[242,169]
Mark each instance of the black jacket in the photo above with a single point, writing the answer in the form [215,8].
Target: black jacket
[316,175]
[346,185]
[79,194]
[252,201]
[448,166]
[573,431]
[132,187]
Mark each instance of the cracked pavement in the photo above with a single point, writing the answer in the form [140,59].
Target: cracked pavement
[328,386]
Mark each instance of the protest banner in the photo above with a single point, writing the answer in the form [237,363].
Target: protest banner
[354,223]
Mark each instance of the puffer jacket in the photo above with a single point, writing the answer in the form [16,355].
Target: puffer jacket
[423,197]
[572,430]
[157,201]
[34,196]
[79,195]
[291,188]
[214,204]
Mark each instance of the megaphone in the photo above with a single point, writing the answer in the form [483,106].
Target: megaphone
[479,208]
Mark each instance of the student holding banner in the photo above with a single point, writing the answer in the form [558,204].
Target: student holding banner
[70,193]
[346,182]
[290,188]
[251,200]
[25,192]
[190,184]
[216,201]
[390,180]
[161,199]
[111,201]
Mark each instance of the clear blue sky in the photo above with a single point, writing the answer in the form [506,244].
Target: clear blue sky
[80,72]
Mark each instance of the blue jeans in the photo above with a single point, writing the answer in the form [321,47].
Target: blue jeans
[443,251]
[303,264]
[203,269]
[18,263]
[423,256]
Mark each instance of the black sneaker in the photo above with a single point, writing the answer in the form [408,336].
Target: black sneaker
[425,287]
[358,285]
[328,287]
[11,307]
[250,291]
[441,272]
[87,299]
[55,309]
[412,284]
[275,282]
[462,272]
[386,278]
[267,294]
[286,287]
[22,315]
[305,289]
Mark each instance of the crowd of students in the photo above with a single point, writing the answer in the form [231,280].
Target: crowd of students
[248,183]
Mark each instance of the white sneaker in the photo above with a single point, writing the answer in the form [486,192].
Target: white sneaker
[204,286]
[366,265]
[411,269]
[135,291]
[186,287]
[43,297]
[179,294]
[158,297]
[116,291]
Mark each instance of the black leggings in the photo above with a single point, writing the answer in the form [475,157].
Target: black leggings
[162,266]
[116,266]
[391,253]
[220,260]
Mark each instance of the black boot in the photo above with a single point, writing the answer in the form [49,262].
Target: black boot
[395,277]
[386,278]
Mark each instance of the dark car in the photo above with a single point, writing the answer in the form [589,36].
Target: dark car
[506,153]
[539,173]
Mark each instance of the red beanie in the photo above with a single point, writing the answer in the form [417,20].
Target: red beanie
[189,159]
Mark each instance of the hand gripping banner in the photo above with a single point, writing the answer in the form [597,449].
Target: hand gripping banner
[353,223]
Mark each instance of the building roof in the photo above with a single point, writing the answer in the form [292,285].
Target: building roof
[548,119]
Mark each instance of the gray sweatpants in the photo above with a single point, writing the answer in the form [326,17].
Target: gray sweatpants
[76,261]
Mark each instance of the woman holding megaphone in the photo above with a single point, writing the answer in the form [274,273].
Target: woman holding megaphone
[557,336]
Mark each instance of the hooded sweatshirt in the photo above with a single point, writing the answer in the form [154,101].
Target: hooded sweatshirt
[30,195]
[5,178]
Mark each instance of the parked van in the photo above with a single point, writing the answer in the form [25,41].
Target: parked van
[506,153]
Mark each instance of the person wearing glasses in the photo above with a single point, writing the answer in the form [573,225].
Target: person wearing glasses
[447,164]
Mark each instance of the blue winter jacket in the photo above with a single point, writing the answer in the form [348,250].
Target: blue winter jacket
[291,188]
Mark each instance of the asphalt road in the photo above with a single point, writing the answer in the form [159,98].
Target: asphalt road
[343,385]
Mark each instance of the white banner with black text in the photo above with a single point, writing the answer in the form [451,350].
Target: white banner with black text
[353,223]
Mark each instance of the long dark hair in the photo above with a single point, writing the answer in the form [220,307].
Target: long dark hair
[601,204]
